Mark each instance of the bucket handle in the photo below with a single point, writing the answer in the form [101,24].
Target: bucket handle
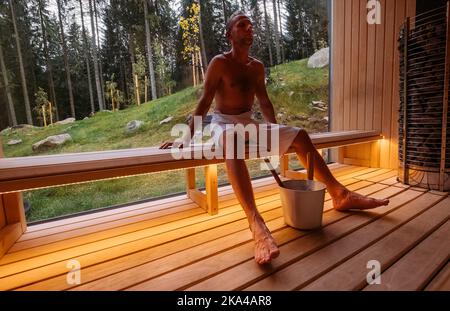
[310,166]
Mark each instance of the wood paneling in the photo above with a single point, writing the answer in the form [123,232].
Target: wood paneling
[364,83]
[2,210]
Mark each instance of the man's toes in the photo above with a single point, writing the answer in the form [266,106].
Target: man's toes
[274,253]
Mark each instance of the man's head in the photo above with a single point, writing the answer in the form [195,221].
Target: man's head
[239,28]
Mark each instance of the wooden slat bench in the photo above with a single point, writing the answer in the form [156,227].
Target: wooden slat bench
[25,173]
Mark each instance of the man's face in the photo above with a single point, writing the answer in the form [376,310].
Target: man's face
[242,31]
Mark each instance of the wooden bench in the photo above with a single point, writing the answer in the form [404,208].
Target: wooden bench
[25,173]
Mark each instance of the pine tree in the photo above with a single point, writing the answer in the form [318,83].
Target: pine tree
[268,34]
[95,57]
[11,109]
[86,57]
[277,35]
[43,22]
[21,66]
[66,60]
[149,51]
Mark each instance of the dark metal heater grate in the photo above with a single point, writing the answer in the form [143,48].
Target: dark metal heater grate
[424,48]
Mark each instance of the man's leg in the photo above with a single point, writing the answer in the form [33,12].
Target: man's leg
[239,178]
[343,199]
[265,246]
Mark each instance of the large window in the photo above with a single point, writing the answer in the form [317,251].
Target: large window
[121,76]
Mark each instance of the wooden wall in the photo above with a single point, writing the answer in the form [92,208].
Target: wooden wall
[2,211]
[364,74]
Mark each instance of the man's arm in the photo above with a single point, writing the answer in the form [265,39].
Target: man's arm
[212,80]
[263,98]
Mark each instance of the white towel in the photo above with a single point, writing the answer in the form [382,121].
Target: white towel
[286,134]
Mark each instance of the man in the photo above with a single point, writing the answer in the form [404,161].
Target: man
[233,79]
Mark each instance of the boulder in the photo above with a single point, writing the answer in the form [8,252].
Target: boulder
[166,120]
[320,109]
[66,121]
[14,142]
[319,103]
[51,142]
[133,126]
[6,131]
[319,59]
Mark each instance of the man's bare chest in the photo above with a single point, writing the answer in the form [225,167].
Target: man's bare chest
[240,80]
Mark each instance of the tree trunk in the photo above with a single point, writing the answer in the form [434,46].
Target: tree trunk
[96,71]
[51,83]
[66,61]
[280,22]
[202,70]
[51,112]
[149,53]
[102,83]
[193,70]
[86,56]
[22,70]
[268,40]
[136,83]
[145,89]
[112,100]
[225,15]
[277,35]
[202,41]
[11,110]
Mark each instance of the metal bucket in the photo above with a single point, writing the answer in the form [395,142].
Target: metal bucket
[302,202]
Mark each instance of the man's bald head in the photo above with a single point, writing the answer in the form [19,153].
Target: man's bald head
[234,18]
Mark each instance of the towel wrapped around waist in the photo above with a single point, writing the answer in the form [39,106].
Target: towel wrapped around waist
[226,123]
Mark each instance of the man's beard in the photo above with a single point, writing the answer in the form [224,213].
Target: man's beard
[247,41]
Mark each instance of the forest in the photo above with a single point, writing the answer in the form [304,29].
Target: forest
[73,58]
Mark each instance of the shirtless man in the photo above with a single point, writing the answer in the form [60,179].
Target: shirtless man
[233,79]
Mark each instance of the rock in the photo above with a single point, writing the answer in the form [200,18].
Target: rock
[85,118]
[318,108]
[325,119]
[14,142]
[51,141]
[319,103]
[6,131]
[291,93]
[66,121]
[23,126]
[299,117]
[133,126]
[320,59]
[166,120]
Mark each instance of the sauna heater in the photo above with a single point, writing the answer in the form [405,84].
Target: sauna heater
[424,156]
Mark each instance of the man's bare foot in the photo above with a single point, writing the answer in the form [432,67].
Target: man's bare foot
[346,200]
[265,246]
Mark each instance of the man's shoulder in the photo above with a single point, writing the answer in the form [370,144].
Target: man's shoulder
[256,62]
[219,58]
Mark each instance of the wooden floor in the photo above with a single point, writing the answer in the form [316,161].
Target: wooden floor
[172,244]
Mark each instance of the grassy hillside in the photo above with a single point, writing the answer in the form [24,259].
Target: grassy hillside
[292,87]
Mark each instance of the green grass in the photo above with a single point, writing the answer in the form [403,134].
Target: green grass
[292,87]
